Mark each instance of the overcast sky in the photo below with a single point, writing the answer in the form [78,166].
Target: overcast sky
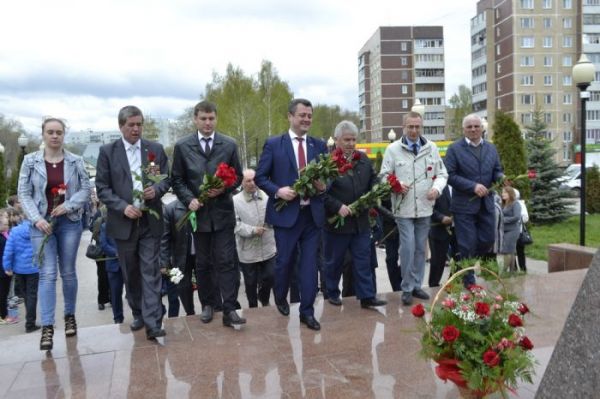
[83,60]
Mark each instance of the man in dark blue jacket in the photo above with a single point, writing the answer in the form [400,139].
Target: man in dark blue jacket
[473,166]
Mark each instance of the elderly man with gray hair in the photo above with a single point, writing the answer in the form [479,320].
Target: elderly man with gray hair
[355,233]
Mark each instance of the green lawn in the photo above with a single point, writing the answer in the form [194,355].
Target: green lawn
[565,232]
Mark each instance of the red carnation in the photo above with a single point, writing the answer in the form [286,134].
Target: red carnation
[54,191]
[429,168]
[523,308]
[418,310]
[151,156]
[373,212]
[491,358]
[531,174]
[394,183]
[450,333]
[515,321]
[526,343]
[482,309]
[434,177]
[356,156]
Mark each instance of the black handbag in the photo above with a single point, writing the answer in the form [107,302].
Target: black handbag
[94,251]
[525,237]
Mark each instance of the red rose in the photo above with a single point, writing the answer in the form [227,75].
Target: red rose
[394,183]
[482,309]
[54,191]
[373,212]
[434,177]
[356,156]
[475,288]
[531,174]
[227,174]
[526,343]
[514,320]
[491,358]
[450,333]
[418,310]
[523,308]
[151,156]
[429,168]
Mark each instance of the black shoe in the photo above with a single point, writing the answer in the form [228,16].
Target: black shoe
[155,333]
[46,342]
[283,307]
[407,298]
[371,303]
[232,318]
[419,293]
[335,301]
[310,322]
[30,329]
[70,325]
[207,314]
[101,306]
[136,324]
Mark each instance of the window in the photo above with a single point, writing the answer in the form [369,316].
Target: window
[597,79]
[567,4]
[567,117]
[547,118]
[527,42]
[546,4]
[547,23]
[527,4]
[403,46]
[547,42]
[547,60]
[568,41]
[594,95]
[429,43]
[527,80]
[526,119]
[567,99]
[404,89]
[567,80]
[527,23]
[567,23]
[547,80]
[566,153]
[497,49]
[567,136]
[498,104]
[498,68]
[527,60]
[404,104]
[498,87]
[403,61]
[527,99]
[404,75]
[591,38]
[547,99]
[567,61]
[591,19]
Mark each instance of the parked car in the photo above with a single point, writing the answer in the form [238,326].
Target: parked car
[572,179]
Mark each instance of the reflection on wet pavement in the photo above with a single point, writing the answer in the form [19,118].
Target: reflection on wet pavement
[358,353]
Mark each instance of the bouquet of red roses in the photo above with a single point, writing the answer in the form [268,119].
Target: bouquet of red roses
[57,193]
[224,177]
[326,168]
[371,199]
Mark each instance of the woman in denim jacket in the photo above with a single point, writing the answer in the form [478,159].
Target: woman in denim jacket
[53,190]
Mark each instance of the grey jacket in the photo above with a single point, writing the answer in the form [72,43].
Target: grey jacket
[250,213]
[33,181]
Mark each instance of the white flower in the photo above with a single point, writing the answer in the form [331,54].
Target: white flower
[175,275]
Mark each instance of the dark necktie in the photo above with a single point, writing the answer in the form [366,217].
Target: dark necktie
[415,149]
[206,144]
[301,157]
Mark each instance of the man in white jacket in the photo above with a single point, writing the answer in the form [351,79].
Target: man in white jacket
[416,162]
[255,241]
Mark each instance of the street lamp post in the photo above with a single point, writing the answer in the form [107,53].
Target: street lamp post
[583,74]
[23,140]
[392,136]
[418,107]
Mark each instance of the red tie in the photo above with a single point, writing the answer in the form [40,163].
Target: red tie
[301,157]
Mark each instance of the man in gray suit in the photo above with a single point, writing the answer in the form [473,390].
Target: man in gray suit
[194,156]
[120,171]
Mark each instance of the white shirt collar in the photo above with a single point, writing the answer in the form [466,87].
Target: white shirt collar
[212,138]
[128,145]
[469,142]
[294,135]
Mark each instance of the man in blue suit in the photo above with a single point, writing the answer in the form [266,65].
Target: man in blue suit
[300,221]
[473,165]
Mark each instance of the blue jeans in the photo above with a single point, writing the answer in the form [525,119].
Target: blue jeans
[60,254]
[413,235]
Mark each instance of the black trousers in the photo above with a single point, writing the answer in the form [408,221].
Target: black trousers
[215,253]
[521,257]
[103,287]
[29,284]
[392,246]
[4,289]
[184,288]
[258,280]
[437,262]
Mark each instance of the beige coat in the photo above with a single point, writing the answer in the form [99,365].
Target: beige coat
[249,214]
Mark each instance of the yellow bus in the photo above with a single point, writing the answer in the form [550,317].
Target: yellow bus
[371,149]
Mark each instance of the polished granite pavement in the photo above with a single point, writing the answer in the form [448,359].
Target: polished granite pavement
[358,353]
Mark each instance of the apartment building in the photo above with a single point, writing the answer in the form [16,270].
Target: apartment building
[522,55]
[397,65]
